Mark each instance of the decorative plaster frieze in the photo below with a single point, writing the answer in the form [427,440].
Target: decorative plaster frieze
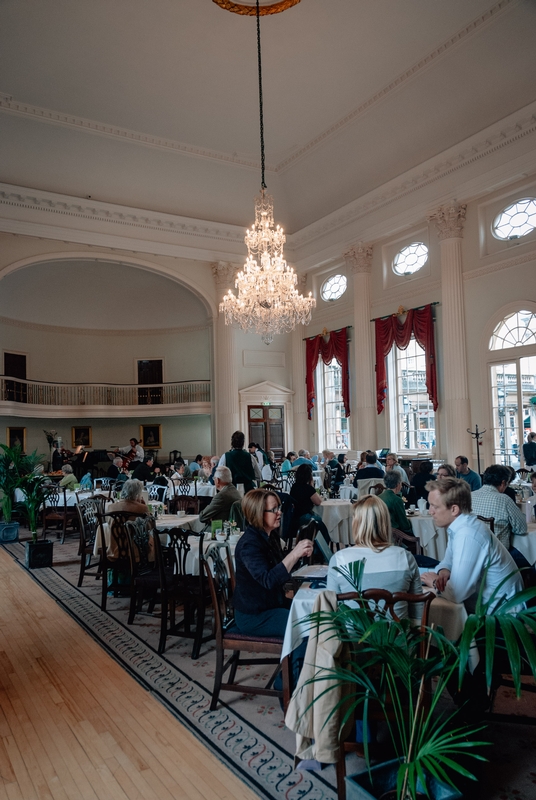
[421,66]
[497,266]
[224,273]
[66,331]
[517,127]
[20,109]
[118,215]
[358,258]
[449,221]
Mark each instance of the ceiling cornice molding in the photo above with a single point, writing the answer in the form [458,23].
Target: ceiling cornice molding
[39,114]
[421,66]
[67,331]
[497,137]
[497,266]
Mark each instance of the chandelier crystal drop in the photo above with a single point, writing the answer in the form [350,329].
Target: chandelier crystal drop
[267,302]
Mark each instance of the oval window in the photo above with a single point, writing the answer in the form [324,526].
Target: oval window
[410,259]
[334,287]
[515,220]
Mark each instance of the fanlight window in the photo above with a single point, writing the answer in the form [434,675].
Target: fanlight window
[334,287]
[516,220]
[517,330]
[410,259]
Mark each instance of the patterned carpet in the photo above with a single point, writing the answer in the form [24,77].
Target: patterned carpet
[247,732]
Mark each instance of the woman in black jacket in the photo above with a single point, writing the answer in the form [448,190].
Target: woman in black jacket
[261,608]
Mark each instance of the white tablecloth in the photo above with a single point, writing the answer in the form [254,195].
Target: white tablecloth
[190,522]
[348,493]
[337,517]
[203,490]
[433,539]
[451,616]
[527,544]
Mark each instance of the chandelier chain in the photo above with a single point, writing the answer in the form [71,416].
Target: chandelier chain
[261,107]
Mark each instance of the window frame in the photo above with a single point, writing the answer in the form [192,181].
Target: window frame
[320,407]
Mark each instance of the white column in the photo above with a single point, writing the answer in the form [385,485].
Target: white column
[449,221]
[226,399]
[301,429]
[363,411]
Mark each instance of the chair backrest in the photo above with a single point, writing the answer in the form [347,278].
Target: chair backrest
[219,586]
[88,512]
[523,472]
[56,499]
[489,521]
[180,542]
[158,493]
[140,534]
[406,540]
[117,520]
[327,477]
[103,483]
[185,503]
[376,488]
[182,486]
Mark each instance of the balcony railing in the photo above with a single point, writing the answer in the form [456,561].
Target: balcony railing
[103,394]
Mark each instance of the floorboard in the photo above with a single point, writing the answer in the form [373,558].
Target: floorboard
[75,726]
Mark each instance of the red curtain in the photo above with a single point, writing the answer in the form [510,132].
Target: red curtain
[420,323]
[336,347]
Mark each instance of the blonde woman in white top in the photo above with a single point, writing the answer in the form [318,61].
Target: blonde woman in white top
[386,565]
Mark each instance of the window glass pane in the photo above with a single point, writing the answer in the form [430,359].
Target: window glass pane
[517,330]
[528,392]
[415,415]
[505,413]
[336,432]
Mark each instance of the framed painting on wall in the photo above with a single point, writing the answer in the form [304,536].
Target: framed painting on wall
[16,437]
[81,435]
[151,437]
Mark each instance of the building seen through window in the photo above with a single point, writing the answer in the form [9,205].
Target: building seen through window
[411,413]
[333,428]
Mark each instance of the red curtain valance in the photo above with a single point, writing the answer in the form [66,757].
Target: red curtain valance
[420,323]
[336,347]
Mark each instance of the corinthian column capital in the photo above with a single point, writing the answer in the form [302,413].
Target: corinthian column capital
[358,257]
[224,273]
[449,221]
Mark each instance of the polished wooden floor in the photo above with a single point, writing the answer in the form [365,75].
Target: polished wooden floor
[75,726]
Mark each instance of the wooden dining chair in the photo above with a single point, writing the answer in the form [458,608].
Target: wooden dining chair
[116,572]
[385,601]
[523,472]
[229,638]
[88,511]
[56,511]
[407,541]
[489,521]
[376,489]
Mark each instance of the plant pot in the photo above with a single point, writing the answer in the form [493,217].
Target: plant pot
[359,786]
[9,531]
[38,554]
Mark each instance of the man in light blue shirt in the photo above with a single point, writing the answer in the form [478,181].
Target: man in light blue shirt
[303,458]
[466,474]
[473,552]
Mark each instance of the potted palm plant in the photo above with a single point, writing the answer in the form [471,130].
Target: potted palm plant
[387,671]
[34,486]
[14,464]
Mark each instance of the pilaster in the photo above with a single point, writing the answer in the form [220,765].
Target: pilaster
[359,261]
[226,399]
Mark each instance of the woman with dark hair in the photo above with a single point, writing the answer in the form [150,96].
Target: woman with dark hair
[420,480]
[446,471]
[261,608]
[286,466]
[305,498]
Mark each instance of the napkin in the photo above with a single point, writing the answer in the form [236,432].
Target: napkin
[422,505]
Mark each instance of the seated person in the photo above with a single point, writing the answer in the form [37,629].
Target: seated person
[59,457]
[195,465]
[491,501]
[386,566]
[337,469]
[421,478]
[305,497]
[181,470]
[370,471]
[214,461]
[261,608]
[446,471]
[267,471]
[304,457]
[286,466]
[114,468]
[144,472]
[220,505]
[124,475]
[466,474]
[132,501]
[395,504]
[68,480]
[509,492]
[392,465]
[362,459]
[473,553]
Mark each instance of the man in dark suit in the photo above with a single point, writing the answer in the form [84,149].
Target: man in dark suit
[370,471]
[220,506]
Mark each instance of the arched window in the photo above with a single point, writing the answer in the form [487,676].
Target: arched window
[513,385]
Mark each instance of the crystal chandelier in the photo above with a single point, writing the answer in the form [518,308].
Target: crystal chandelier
[267,302]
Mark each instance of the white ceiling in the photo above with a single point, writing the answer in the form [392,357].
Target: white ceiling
[356,93]
[98,295]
